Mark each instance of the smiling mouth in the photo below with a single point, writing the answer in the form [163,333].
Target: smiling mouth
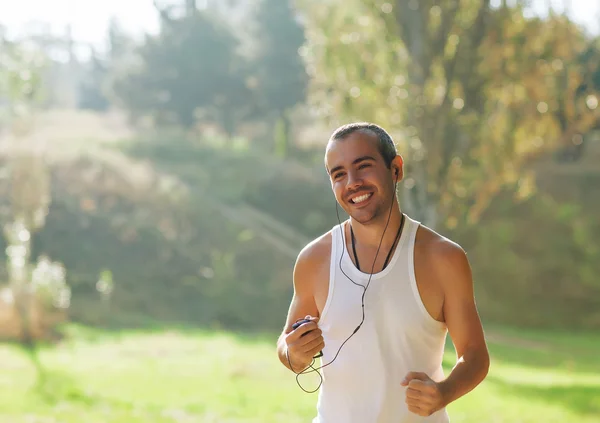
[361,198]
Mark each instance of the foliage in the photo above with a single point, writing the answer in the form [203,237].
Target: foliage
[280,74]
[478,92]
[36,290]
[546,270]
[164,230]
[48,279]
[178,87]
[92,89]
[281,188]
[235,76]
[21,87]
[544,263]
[170,257]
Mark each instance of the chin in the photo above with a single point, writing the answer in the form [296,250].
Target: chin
[364,217]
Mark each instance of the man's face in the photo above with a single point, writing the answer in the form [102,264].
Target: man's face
[361,182]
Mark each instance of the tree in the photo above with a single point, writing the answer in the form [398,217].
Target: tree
[574,105]
[189,72]
[21,90]
[38,291]
[281,75]
[91,89]
[120,44]
[470,92]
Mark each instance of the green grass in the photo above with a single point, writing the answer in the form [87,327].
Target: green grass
[195,376]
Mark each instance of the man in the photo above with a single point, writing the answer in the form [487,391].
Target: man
[413,285]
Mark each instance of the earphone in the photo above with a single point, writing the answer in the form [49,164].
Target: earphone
[365,287]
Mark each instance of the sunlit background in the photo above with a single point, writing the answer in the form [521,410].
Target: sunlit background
[161,166]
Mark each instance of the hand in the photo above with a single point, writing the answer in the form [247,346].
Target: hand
[303,344]
[423,396]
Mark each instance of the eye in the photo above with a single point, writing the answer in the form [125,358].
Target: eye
[338,175]
[364,165]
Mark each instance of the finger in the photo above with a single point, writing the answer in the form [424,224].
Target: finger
[302,330]
[415,376]
[305,343]
[309,337]
[413,393]
[417,385]
[421,400]
[312,343]
[412,402]
[318,348]
[306,327]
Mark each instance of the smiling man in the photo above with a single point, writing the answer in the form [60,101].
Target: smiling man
[381,292]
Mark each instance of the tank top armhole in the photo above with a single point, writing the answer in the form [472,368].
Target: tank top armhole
[332,262]
[413,279]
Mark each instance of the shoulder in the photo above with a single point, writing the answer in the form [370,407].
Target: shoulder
[313,257]
[315,251]
[444,257]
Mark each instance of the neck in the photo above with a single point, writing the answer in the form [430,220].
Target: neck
[369,235]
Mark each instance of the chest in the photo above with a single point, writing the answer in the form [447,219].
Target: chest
[389,304]
[401,296]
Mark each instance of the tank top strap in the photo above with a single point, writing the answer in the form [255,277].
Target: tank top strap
[337,248]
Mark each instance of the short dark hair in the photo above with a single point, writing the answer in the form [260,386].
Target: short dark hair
[385,144]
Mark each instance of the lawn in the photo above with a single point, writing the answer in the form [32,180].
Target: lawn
[195,376]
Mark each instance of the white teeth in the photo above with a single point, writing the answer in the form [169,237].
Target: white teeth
[360,199]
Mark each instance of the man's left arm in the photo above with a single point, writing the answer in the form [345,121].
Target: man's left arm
[464,326]
[453,271]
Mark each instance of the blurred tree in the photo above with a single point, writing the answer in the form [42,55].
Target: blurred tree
[190,72]
[470,92]
[281,76]
[21,89]
[35,290]
[571,102]
[120,44]
[91,89]
[120,59]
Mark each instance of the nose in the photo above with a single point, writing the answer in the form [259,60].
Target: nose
[353,181]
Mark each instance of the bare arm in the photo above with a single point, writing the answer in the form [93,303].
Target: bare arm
[300,349]
[423,395]
[464,325]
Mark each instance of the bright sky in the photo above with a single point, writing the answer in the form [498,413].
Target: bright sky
[89,17]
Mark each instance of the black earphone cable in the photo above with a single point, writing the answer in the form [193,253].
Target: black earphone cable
[365,287]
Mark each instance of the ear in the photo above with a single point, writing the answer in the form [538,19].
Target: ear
[398,168]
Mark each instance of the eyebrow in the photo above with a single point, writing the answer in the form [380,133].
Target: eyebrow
[356,161]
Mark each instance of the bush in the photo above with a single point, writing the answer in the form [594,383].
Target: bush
[536,264]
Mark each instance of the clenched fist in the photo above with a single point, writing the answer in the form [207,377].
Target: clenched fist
[423,395]
[303,344]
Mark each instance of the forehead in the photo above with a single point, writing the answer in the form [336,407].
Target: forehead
[344,152]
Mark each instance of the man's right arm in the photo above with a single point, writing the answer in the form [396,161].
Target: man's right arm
[295,351]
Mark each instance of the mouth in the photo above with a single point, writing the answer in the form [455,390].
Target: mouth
[359,200]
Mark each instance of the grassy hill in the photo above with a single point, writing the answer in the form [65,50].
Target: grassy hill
[206,232]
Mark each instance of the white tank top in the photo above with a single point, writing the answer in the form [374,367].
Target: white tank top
[363,384]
